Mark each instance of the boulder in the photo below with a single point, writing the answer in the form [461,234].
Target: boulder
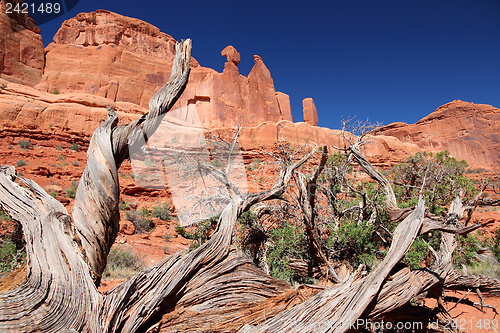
[309,111]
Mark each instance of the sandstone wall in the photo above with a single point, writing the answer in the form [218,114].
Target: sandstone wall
[127,60]
[468,131]
[21,47]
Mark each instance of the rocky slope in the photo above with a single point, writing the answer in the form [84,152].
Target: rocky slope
[92,63]
[469,131]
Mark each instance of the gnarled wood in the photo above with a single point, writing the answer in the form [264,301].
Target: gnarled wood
[213,285]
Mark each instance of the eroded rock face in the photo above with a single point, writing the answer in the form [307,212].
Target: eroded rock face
[468,131]
[127,60]
[21,47]
[310,112]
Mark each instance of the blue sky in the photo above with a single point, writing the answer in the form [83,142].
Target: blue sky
[384,60]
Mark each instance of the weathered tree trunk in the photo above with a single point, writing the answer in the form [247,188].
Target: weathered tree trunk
[209,289]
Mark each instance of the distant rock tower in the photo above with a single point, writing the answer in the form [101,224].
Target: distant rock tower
[310,113]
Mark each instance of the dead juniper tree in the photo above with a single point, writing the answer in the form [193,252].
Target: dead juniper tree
[210,289]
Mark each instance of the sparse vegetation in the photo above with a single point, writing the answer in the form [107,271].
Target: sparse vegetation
[140,218]
[122,264]
[162,211]
[284,243]
[75,147]
[123,205]
[75,163]
[61,157]
[59,148]
[199,233]
[25,144]
[10,147]
[12,247]
[56,92]
[71,192]
[10,257]
[20,163]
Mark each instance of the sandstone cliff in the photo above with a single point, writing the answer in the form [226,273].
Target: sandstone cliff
[100,52]
[21,47]
[102,58]
[468,131]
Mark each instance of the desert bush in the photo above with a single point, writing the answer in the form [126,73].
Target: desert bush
[75,163]
[10,257]
[61,157]
[485,268]
[444,178]
[25,144]
[122,264]
[123,205]
[10,147]
[71,192]
[20,163]
[162,211]
[75,147]
[141,219]
[59,148]
[465,252]
[416,254]
[4,216]
[199,233]
[12,246]
[353,241]
[285,242]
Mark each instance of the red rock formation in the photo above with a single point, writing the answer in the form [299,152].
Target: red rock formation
[468,131]
[284,104]
[310,113]
[99,53]
[21,47]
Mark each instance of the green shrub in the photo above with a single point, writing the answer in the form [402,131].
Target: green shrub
[25,144]
[141,219]
[52,193]
[75,147]
[494,243]
[56,92]
[10,257]
[61,157]
[59,148]
[200,232]
[444,178]
[353,241]
[284,243]
[71,192]
[20,163]
[162,211]
[122,264]
[148,162]
[465,252]
[416,254]
[485,268]
[4,216]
